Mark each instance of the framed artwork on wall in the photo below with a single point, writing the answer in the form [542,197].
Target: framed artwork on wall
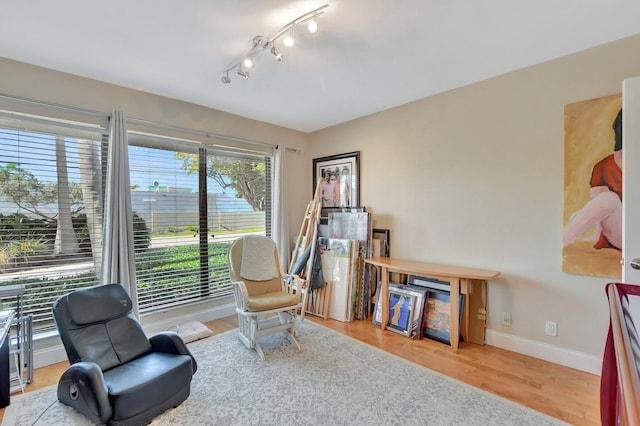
[592,232]
[340,176]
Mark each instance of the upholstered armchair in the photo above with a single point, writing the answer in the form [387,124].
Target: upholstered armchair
[117,375]
[267,301]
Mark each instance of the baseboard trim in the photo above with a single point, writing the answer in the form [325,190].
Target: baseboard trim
[556,354]
[56,353]
[204,315]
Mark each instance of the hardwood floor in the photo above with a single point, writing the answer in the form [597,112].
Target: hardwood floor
[567,394]
[561,392]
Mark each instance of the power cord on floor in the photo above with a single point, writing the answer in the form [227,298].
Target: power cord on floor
[44,411]
[54,401]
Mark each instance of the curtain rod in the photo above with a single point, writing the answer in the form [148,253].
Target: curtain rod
[210,135]
[54,105]
[141,122]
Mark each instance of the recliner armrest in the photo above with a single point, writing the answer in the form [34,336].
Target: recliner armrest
[171,343]
[82,387]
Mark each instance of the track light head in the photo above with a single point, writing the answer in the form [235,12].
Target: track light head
[288,40]
[243,73]
[313,26]
[248,62]
[225,78]
[276,53]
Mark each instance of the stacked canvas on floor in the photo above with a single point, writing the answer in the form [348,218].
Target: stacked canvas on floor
[343,253]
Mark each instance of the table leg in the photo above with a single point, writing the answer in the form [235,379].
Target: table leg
[477,311]
[384,298]
[465,288]
[454,331]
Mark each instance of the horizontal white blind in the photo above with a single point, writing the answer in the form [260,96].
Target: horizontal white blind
[51,183]
[171,197]
[165,203]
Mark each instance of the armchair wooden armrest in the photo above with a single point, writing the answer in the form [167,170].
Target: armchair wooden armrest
[241,295]
[292,283]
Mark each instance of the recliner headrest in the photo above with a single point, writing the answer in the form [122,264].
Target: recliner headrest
[98,303]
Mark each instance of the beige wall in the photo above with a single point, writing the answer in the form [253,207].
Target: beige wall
[472,177]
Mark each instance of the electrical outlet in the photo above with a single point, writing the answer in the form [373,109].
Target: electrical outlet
[551,328]
[506,319]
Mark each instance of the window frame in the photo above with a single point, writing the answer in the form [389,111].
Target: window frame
[41,124]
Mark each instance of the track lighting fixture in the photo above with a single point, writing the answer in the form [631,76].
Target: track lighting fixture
[276,53]
[288,40]
[312,25]
[243,73]
[259,43]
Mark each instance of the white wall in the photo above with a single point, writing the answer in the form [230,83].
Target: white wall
[474,177]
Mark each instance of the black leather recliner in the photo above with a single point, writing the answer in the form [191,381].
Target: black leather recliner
[118,376]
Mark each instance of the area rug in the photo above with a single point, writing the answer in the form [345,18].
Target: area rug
[333,380]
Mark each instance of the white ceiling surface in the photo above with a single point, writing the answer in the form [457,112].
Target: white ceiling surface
[367,56]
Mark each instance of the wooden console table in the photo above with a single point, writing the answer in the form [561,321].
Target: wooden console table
[459,278]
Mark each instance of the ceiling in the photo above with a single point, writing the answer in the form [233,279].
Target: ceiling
[367,56]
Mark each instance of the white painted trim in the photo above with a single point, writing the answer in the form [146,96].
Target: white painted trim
[205,315]
[49,355]
[56,353]
[556,354]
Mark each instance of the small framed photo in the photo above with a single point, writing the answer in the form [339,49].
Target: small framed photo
[418,314]
[340,177]
[380,243]
[402,308]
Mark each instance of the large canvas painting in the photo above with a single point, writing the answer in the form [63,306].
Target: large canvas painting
[592,225]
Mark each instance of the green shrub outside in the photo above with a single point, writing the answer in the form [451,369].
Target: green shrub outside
[28,241]
[174,277]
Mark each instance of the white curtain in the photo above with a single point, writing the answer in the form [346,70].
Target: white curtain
[279,217]
[118,263]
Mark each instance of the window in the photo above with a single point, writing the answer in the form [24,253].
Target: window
[189,201]
[51,185]
[192,201]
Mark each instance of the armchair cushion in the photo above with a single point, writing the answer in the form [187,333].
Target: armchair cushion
[278,299]
[137,386]
[255,265]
